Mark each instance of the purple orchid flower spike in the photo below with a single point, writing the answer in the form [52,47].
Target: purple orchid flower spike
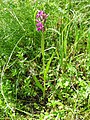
[41,19]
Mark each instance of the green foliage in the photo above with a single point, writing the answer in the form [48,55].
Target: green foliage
[64,74]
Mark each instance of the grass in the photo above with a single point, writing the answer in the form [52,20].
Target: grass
[57,88]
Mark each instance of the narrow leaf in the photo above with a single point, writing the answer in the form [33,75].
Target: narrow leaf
[47,66]
[38,84]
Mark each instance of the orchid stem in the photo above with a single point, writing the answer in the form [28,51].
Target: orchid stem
[42,50]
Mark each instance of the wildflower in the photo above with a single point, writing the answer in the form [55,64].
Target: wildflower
[39,26]
[41,19]
[39,14]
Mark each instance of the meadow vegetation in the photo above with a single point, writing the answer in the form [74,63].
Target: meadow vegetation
[50,82]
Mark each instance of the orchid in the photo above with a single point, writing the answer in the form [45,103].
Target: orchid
[41,19]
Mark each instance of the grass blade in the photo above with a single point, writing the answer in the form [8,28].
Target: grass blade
[47,66]
[38,84]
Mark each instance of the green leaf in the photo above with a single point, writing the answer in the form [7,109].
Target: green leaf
[47,66]
[38,84]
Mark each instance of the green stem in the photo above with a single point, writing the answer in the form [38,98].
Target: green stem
[42,50]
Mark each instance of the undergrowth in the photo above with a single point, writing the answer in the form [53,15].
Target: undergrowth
[66,57]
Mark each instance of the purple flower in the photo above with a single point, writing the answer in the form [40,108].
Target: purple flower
[39,26]
[39,14]
[41,19]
